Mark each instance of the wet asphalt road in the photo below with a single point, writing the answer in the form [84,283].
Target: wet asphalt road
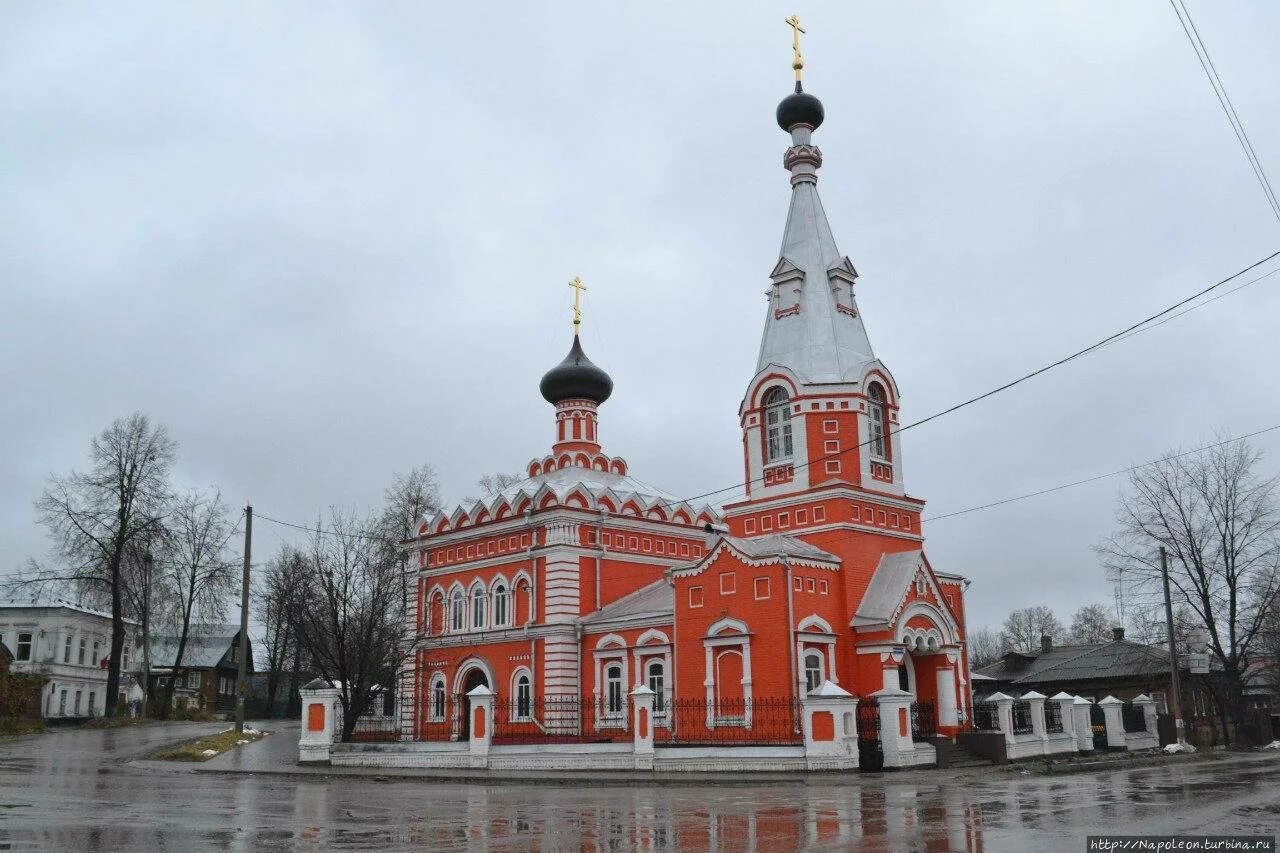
[73,790]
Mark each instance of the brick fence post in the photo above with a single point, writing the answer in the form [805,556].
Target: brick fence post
[481,724]
[320,721]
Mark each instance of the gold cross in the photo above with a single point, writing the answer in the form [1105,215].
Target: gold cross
[797,62]
[578,287]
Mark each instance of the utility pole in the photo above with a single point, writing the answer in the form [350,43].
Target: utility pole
[242,684]
[1176,688]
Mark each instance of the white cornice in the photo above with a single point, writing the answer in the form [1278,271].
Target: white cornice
[822,493]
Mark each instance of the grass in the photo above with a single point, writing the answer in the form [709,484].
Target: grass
[202,749]
[16,728]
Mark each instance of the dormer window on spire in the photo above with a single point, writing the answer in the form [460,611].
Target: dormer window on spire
[777,419]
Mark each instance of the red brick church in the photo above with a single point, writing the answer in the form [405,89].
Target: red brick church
[580,583]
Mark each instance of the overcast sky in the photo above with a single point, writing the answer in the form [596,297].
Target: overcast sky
[325,243]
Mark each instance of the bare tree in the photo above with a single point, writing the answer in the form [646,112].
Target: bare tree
[350,617]
[984,647]
[1219,522]
[278,590]
[410,498]
[1092,623]
[493,484]
[198,569]
[1024,627]
[95,516]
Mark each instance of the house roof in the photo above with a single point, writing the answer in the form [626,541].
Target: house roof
[778,545]
[206,646]
[888,585]
[38,603]
[657,599]
[1113,659]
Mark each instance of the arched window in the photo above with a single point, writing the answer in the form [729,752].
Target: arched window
[501,604]
[777,421]
[524,696]
[478,599]
[613,689]
[813,675]
[657,683]
[876,417]
[458,611]
[437,699]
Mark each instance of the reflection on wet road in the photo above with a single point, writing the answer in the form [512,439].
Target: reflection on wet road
[72,791]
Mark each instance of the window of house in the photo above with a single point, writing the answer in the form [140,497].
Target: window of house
[797,584]
[728,583]
[812,671]
[893,519]
[875,416]
[62,703]
[695,596]
[762,588]
[23,651]
[660,547]
[124,658]
[66,650]
[48,702]
[606,539]
[906,522]
[811,585]
[477,608]
[819,514]
[437,699]
[84,648]
[830,425]
[93,701]
[76,710]
[458,611]
[802,516]
[777,419]
[634,542]
[500,605]
[697,550]
[880,519]
[857,513]
[784,519]
[684,549]
[648,544]
[524,697]
[766,522]
[96,656]
[613,688]
[193,680]
[830,447]
[822,587]
[657,683]
[749,525]
[833,466]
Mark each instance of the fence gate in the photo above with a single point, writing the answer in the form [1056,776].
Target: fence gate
[870,751]
[1098,723]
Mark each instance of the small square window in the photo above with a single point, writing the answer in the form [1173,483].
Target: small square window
[728,583]
[830,447]
[684,549]
[697,550]
[813,406]
[833,466]
[802,516]
[511,543]
[893,519]
[831,405]
[766,522]
[695,596]
[524,540]
[810,585]
[762,588]
[857,513]
[648,545]
[606,538]
[784,519]
[797,584]
[906,522]
[844,404]
[634,542]
[502,543]
[831,425]
[471,550]
[491,548]
[819,514]
[749,525]
[660,547]
[822,587]
[880,517]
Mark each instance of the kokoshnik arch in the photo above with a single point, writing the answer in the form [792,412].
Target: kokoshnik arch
[580,583]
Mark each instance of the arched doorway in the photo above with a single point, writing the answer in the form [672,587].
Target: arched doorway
[473,679]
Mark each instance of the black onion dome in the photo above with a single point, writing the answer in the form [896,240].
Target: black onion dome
[576,378]
[800,108]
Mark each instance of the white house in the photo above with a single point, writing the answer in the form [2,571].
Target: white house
[70,646]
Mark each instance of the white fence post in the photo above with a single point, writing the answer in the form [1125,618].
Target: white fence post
[642,702]
[1083,724]
[1115,725]
[895,727]
[1038,727]
[480,724]
[830,722]
[320,721]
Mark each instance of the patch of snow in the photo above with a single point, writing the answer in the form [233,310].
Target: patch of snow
[1275,744]
[209,753]
[249,730]
[1175,748]
[241,742]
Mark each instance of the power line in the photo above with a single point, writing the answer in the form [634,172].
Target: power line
[1224,100]
[320,530]
[1098,477]
[1140,326]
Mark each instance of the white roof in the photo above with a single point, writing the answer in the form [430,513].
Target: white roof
[37,603]
[888,586]
[820,343]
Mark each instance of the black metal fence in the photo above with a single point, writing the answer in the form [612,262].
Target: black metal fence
[560,719]
[1053,718]
[870,751]
[1133,717]
[697,722]
[376,729]
[985,717]
[1022,717]
[923,721]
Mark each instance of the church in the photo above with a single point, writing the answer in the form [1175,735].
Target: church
[572,588]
